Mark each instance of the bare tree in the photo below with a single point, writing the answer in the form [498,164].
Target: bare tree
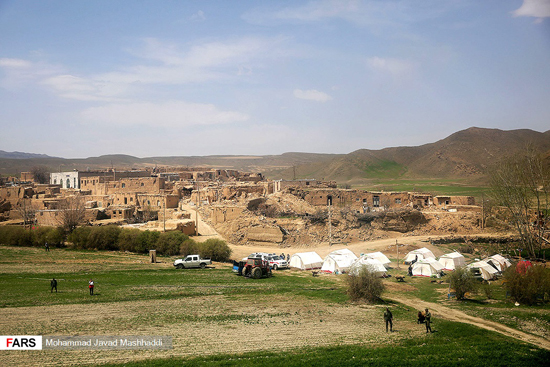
[71,212]
[521,184]
[41,174]
[26,211]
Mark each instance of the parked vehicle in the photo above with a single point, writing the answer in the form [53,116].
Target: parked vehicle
[256,268]
[276,262]
[192,261]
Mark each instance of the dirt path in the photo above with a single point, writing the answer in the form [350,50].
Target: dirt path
[450,314]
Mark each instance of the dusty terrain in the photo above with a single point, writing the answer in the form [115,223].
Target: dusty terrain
[201,326]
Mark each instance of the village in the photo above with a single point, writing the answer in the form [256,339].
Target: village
[244,208]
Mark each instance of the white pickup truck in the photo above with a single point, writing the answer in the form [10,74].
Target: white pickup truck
[192,261]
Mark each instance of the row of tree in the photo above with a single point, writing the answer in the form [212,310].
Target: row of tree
[115,238]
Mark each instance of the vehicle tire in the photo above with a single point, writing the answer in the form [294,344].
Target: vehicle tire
[243,272]
[256,273]
[275,267]
[179,266]
[203,265]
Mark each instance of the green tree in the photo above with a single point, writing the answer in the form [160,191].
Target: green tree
[530,286]
[365,285]
[462,281]
[169,243]
[104,238]
[215,249]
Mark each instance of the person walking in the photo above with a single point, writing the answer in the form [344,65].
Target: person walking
[91,287]
[428,321]
[53,284]
[388,318]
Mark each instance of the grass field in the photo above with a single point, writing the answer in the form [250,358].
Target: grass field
[435,187]
[220,319]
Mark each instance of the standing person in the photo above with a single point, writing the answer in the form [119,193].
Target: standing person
[47,246]
[388,318]
[53,284]
[428,320]
[91,287]
[287,257]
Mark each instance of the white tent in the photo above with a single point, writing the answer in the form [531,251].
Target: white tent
[499,262]
[421,253]
[306,261]
[486,271]
[380,257]
[452,261]
[426,268]
[372,264]
[339,260]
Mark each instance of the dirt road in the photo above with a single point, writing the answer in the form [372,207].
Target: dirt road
[450,314]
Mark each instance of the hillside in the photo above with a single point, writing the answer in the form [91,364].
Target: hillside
[463,155]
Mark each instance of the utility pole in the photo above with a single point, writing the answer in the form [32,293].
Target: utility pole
[329,221]
[164,224]
[482,210]
[397,245]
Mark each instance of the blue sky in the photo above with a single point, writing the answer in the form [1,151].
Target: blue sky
[181,78]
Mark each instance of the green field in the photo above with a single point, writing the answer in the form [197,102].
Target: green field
[134,296]
[435,187]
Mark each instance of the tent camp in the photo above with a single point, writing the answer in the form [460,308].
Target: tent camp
[380,257]
[427,268]
[372,264]
[339,260]
[452,261]
[499,262]
[306,261]
[421,253]
[483,270]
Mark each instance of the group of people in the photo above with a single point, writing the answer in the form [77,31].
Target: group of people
[53,285]
[423,318]
[282,256]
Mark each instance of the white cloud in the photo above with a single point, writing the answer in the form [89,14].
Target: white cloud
[167,114]
[198,16]
[15,63]
[363,13]
[312,95]
[533,8]
[395,67]
[157,63]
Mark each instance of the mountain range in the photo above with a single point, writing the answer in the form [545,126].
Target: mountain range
[464,155]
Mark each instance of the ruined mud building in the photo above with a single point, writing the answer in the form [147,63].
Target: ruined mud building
[140,195]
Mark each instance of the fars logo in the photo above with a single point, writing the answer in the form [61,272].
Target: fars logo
[20,342]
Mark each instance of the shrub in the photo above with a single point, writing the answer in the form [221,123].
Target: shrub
[215,249]
[128,239]
[146,240]
[364,286]
[528,287]
[104,238]
[15,236]
[79,237]
[169,243]
[189,247]
[462,281]
[488,291]
[56,236]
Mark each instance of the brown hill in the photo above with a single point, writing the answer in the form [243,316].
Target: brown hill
[463,155]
